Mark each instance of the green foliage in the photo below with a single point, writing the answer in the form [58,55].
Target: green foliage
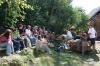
[26,57]
[81,19]
[1,1]
[15,60]
[56,15]
[23,59]
[27,53]
[53,14]
[14,11]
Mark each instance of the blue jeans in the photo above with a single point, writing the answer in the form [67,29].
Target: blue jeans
[33,40]
[9,47]
[17,45]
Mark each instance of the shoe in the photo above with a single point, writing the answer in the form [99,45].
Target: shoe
[18,52]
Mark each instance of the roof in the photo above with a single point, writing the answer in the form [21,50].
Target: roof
[93,12]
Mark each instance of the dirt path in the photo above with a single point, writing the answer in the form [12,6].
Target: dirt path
[94,60]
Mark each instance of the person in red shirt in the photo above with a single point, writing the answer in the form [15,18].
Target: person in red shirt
[6,41]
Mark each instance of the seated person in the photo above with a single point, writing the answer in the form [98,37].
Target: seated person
[30,36]
[69,35]
[42,43]
[6,41]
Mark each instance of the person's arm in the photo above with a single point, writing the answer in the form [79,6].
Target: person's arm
[3,39]
[89,32]
[95,33]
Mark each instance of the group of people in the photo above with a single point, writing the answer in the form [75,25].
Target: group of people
[81,38]
[16,39]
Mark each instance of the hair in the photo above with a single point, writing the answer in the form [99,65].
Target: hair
[20,25]
[7,33]
[63,38]
[13,29]
[39,37]
[43,36]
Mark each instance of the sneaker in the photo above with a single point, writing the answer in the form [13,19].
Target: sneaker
[18,52]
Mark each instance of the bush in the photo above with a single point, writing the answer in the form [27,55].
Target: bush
[27,51]
[26,58]
[23,59]
[14,60]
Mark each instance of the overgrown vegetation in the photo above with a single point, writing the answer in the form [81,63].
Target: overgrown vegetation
[27,58]
[22,59]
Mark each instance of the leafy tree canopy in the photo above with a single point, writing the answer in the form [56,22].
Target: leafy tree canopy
[56,15]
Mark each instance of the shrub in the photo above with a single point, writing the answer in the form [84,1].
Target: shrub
[14,60]
[22,59]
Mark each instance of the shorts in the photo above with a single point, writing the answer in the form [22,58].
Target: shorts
[92,40]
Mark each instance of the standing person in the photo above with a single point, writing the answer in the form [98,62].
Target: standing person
[6,41]
[92,36]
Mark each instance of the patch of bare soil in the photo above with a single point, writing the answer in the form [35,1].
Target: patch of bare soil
[93,58]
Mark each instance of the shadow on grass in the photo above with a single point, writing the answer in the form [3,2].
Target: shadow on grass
[91,55]
[73,57]
[70,58]
[36,53]
[67,58]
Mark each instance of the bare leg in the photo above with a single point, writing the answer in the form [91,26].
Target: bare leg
[93,47]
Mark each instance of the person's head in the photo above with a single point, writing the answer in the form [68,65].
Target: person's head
[63,38]
[72,28]
[90,26]
[43,36]
[12,29]
[29,27]
[35,27]
[7,33]
[20,25]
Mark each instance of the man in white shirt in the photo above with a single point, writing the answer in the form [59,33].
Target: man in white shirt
[92,36]
[69,35]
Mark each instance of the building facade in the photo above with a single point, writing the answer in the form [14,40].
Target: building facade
[95,20]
